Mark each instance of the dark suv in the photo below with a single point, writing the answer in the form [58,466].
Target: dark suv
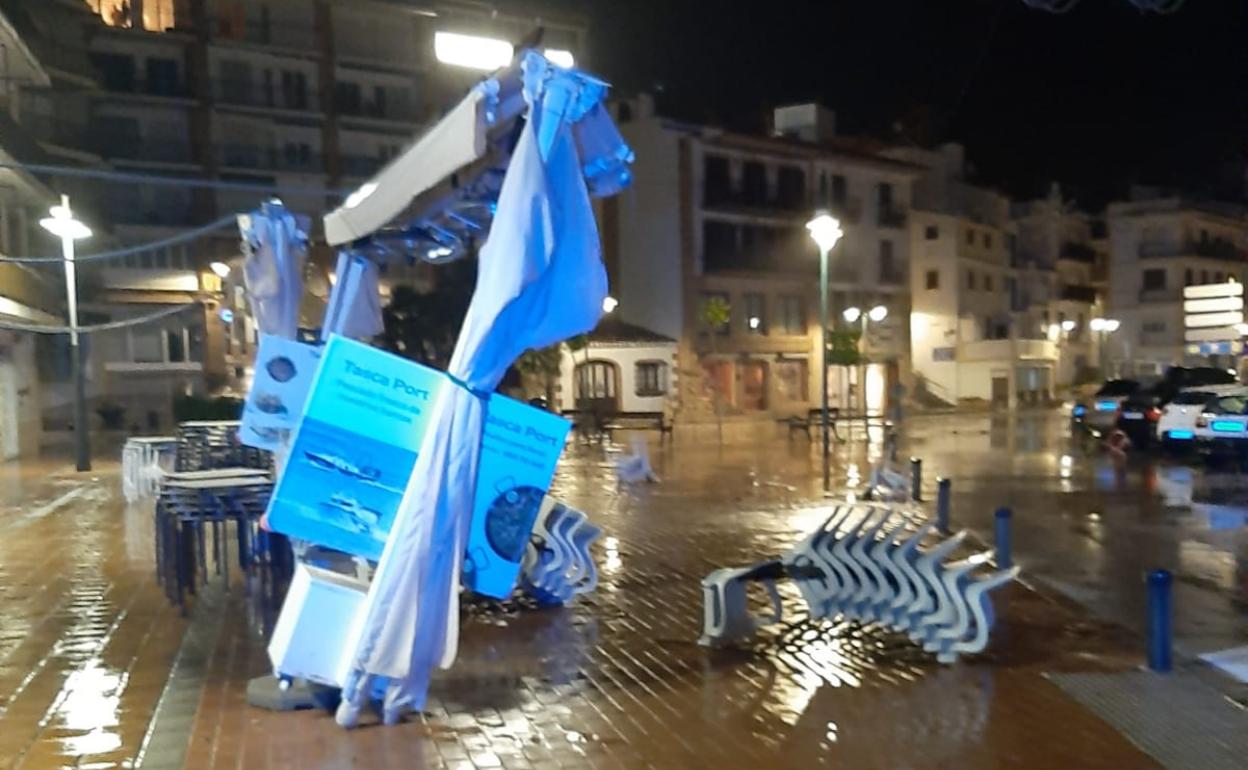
[1138,415]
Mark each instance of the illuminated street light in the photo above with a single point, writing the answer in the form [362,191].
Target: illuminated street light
[471,51]
[826,231]
[220,268]
[63,225]
[1068,326]
[755,322]
[877,313]
[851,314]
[609,304]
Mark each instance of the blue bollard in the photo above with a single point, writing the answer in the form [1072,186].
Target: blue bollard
[1005,552]
[1159,620]
[916,479]
[942,505]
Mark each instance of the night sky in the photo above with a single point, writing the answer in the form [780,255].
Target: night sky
[1097,99]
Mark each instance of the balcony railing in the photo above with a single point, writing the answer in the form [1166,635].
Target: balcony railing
[267,32]
[1076,293]
[252,94]
[1079,252]
[269,159]
[146,87]
[892,216]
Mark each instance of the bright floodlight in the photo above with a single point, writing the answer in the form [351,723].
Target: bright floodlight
[609,304]
[755,322]
[561,57]
[825,229]
[220,268]
[1068,326]
[852,314]
[63,225]
[478,53]
[1111,324]
[1097,324]
[878,313]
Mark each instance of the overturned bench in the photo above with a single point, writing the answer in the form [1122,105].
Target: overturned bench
[866,563]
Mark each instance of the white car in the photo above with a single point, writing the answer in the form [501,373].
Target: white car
[1176,427]
[1223,427]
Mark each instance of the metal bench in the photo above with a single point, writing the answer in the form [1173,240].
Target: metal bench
[588,422]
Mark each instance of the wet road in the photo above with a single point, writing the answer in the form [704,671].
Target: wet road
[87,641]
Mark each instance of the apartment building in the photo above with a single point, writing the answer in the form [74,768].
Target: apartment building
[303,99]
[969,334]
[1061,262]
[1159,244]
[714,214]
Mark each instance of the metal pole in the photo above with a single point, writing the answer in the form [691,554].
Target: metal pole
[942,505]
[1159,620]
[916,479]
[823,358]
[1004,539]
[82,439]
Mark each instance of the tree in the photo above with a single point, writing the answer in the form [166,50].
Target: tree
[423,326]
[544,364]
[715,314]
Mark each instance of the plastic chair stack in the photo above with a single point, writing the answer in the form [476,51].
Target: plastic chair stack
[557,565]
[143,463]
[866,563]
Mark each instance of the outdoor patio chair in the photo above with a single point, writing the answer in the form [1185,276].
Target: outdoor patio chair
[725,607]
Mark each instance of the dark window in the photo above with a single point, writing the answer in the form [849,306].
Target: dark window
[1154,327]
[117,69]
[933,279]
[347,96]
[717,181]
[755,313]
[754,182]
[379,102]
[1204,276]
[791,188]
[177,348]
[987,283]
[823,188]
[294,90]
[988,240]
[888,267]
[595,381]
[792,315]
[162,77]
[1154,279]
[970,236]
[840,190]
[931,232]
[970,279]
[1187,277]
[651,378]
[884,195]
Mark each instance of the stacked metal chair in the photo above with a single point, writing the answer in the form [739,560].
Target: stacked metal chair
[557,565]
[204,445]
[867,563]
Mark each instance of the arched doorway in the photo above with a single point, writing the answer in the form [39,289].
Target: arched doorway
[598,387]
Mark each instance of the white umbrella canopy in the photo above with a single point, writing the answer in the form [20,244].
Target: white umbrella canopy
[275,244]
[540,280]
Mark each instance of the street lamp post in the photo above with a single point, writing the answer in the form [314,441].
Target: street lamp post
[855,315]
[63,225]
[1104,327]
[826,231]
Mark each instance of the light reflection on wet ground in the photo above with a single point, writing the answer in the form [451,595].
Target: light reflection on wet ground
[86,640]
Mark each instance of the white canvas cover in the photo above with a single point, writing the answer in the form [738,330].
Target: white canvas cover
[275,244]
[540,281]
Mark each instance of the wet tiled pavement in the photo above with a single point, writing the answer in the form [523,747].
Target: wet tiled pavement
[616,680]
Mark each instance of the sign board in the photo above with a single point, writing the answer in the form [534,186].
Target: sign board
[1213,312]
[353,453]
[944,354]
[279,390]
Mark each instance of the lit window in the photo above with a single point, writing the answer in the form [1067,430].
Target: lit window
[651,378]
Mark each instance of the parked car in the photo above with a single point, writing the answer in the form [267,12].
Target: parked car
[1139,412]
[1222,429]
[1101,412]
[1176,427]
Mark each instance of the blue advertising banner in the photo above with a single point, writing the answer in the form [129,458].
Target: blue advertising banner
[354,450]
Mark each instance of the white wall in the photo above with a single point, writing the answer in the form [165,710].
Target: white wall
[625,357]
[649,280]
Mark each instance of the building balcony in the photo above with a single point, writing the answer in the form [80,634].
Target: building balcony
[402,113]
[1076,293]
[265,32]
[1160,295]
[892,278]
[1078,252]
[1215,248]
[250,156]
[891,216]
[1008,350]
[140,279]
[171,89]
[247,93]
